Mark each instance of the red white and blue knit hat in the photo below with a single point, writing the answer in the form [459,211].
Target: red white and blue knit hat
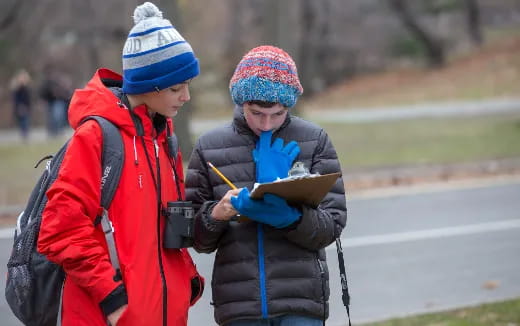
[155,55]
[266,73]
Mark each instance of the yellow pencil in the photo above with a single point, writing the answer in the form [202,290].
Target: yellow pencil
[223,177]
[240,218]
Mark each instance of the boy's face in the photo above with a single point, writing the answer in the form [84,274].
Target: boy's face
[264,119]
[167,101]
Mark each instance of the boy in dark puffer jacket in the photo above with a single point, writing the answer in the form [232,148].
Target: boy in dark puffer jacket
[271,269]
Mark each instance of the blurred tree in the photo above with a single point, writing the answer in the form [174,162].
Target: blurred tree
[313,64]
[182,120]
[234,41]
[83,26]
[279,27]
[434,49]
[271,15]
[307,63]
[331,40]
[473,20]
[12,14]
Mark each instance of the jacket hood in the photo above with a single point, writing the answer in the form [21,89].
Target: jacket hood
[97,98]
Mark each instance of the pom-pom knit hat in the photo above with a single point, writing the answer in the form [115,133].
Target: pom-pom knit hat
[155,55]
[266,73]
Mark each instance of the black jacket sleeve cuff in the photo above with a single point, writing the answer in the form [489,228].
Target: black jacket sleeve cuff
[114,300]
[211,223]
[197,287]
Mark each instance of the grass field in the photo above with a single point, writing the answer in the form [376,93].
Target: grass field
[363,145]
[506,313]
[17,170]
[426,141]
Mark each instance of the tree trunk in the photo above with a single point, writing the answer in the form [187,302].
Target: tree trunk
[234,44]
[473,21]
[91,43]
[182,119]
[307,62]
[271,21]
[12,15]
[279,29]
[434,49]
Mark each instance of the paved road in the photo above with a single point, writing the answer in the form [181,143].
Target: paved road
[409,251]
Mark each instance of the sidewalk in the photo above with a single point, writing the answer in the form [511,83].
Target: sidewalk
[361,180]
[36,135]
[351,115]
[423,110]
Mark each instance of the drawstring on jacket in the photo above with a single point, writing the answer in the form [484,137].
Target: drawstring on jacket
[136,162]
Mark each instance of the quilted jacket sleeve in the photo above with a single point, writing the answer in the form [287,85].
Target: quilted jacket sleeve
[67,235]
[319,227]
[207,231]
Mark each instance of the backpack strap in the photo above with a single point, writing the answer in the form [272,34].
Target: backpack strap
[112,158]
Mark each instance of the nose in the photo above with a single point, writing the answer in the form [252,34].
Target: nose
[185,95]
[267,123]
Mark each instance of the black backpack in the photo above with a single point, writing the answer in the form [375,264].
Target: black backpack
[34,284]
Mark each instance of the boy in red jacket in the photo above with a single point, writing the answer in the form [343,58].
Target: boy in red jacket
[157,285]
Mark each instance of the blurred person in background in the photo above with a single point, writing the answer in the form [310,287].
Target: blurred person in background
[56,92]
[270,269]
[22,104]
[155,285]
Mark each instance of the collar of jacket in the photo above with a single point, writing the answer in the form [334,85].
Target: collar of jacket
[144,124]
[240,123]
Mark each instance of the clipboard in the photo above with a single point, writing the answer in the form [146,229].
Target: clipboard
[308,190]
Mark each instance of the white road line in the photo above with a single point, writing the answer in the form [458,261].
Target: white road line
[371,240]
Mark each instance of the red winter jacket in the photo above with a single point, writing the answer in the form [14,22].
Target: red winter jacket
[156,282]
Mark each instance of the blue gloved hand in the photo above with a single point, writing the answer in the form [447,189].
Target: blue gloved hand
[272,209]
[274,161]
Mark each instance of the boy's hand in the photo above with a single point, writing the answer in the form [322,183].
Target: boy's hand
[113,318]
[274,161]
[272,209]
[224,210]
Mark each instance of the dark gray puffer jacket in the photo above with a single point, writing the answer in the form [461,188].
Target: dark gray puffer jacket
[260,271]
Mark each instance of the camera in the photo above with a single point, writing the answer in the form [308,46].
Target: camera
[178,230]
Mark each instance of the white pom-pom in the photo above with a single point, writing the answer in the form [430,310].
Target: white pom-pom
[146,10]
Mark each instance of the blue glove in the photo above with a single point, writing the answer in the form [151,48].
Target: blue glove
[272,210]
[274,161]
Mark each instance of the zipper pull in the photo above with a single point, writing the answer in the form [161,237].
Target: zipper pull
[156,148]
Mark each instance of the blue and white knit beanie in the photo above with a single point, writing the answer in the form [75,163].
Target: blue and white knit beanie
[155,55]
[266,73]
